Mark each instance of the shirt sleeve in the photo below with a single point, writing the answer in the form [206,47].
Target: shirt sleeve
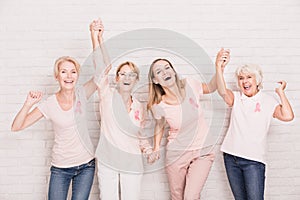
[43,107]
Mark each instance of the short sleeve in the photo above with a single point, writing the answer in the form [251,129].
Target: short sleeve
[157,111]
[44,109]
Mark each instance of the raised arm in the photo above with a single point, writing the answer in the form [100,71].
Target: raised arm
[97,30]
[211,86]
[284,111]
[222,59]
[25,118]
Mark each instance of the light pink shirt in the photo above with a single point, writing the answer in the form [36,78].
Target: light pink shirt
[69,149]
[118,145]
[188,128]
[249,125]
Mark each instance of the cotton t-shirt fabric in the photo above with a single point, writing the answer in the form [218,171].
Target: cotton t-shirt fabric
[188,127]
[249,125]
[72,145]
[118,146]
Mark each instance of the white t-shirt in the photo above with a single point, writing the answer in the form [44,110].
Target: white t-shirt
[249,125]
[118,145]
[188,127]
[69,148]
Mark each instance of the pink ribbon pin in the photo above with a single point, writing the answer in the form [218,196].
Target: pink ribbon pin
[136,115]
[78,107]
[193,103]
[257,107]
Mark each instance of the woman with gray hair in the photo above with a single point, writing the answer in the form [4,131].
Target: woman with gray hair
[244,146]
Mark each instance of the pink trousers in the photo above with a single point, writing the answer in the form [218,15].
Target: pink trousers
[187,173]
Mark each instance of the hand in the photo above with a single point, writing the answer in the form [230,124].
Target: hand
[281,88]
[153,156]
[97,28]
[33,97]
[223,58]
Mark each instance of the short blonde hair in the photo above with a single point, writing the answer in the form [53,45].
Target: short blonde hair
[251,69]
[65,59]
[133,66]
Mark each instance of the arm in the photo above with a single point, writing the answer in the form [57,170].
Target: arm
[97,29]
[222,60]
[158,133]
[284,111]
[24,118]
[211,86]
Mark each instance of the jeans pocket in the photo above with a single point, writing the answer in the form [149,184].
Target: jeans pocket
[91,163]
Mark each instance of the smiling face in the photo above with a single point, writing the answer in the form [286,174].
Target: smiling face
[249,79]
[126,78]
[67,75]
[163,74]
[248,84]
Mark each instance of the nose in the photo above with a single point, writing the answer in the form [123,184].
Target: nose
[69,75]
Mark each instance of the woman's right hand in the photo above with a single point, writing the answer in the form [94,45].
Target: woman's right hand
[223,58]
[33,97]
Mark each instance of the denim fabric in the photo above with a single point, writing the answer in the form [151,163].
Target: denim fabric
[82,177]
[246,177]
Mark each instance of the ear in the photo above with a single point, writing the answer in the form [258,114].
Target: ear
[154,81]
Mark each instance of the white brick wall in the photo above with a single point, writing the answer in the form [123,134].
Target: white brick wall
[34,33]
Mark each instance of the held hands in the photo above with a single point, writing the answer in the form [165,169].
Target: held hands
[33,97]
[223,58]
[153,156]
[97,28]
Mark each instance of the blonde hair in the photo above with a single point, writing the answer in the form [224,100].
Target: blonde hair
[251,69]
[65,59]
[133,66]
[155,90]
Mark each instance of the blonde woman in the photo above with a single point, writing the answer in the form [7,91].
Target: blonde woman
[175,102]
[72,154]
[244,145]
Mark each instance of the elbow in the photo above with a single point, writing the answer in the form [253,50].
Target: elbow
[289,118]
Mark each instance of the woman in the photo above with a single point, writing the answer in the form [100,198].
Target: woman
[175,103]
[245,143]
[118,152]
[72,153]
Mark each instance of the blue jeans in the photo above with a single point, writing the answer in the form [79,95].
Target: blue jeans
[82,177]
[246,177]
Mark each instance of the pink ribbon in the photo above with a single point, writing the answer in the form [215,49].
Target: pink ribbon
[257,107]
[136,115]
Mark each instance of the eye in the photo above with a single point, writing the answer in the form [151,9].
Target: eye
[158,72]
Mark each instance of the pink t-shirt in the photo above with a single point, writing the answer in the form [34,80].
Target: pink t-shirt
[118,145]
[188,128]
[249,125]
[69,149]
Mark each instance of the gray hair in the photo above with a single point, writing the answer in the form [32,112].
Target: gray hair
[251,69]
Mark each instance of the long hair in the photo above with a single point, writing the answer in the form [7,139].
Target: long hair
[156,91]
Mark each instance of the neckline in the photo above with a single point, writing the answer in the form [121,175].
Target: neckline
[59,106]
